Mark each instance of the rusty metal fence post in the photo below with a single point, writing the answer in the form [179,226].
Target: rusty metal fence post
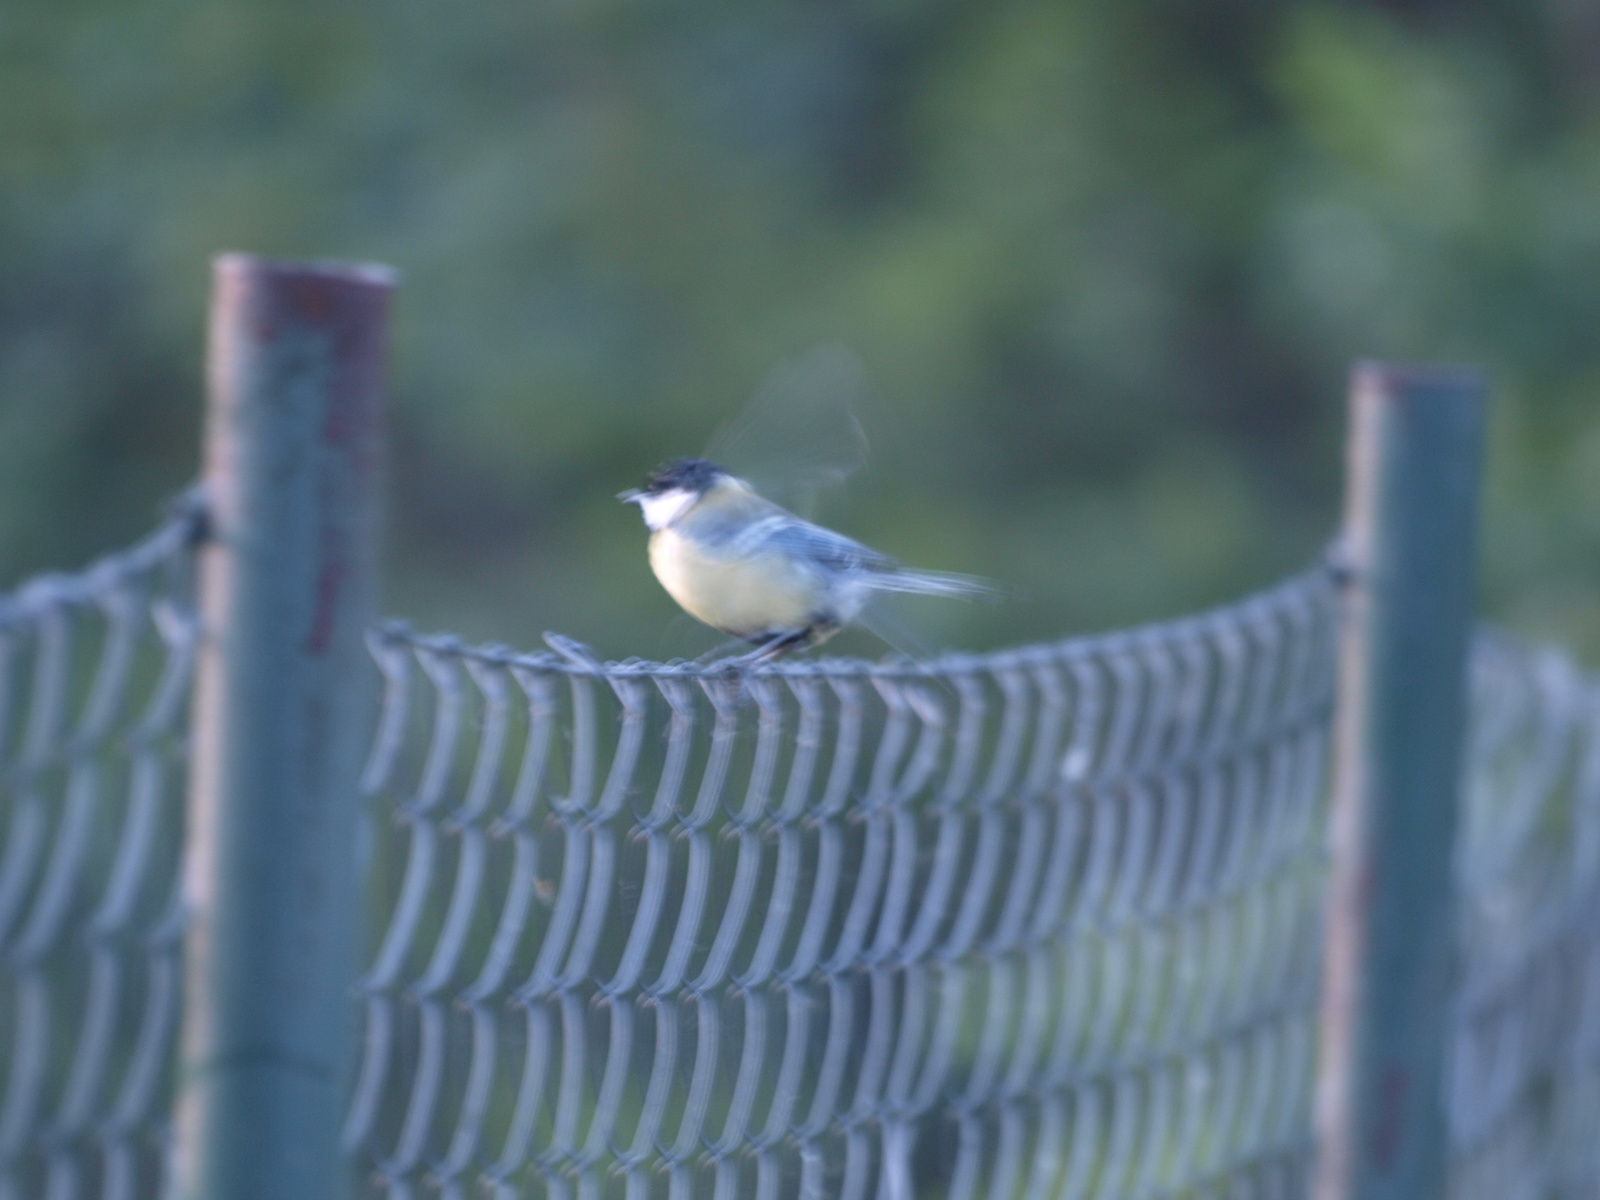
[1415,444]
[288,581]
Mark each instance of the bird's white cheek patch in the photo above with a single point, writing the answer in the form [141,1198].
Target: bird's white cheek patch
[660,510]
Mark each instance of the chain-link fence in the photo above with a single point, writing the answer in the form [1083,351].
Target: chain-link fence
[95,673]
[1524,1096]
[1039,920]
[1042,922]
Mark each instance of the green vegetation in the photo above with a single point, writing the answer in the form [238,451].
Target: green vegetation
[1106,262]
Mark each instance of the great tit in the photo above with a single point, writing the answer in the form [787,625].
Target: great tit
[755,571]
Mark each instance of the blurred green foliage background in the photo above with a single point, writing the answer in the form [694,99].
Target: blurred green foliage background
[1106,262]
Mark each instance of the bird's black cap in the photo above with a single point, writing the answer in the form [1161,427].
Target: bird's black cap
[691,474]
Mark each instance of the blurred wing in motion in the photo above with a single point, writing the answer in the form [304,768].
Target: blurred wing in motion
[799,434]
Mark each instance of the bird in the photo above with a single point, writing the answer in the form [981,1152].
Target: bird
[752,569]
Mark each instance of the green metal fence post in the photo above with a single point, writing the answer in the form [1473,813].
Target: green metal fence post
[1415,445]
[288,581]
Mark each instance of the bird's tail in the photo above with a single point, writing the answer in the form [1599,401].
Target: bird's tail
[939,583]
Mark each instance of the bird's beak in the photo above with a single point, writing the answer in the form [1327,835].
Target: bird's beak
[631,496]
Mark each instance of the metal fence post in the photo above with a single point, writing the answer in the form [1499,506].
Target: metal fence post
[1415,445]
[287,589]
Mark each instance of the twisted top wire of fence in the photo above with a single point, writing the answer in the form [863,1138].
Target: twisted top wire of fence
[1034,923]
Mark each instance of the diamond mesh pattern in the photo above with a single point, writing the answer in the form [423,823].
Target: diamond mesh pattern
[1525,1074]
[1039,922]
[1032,924]
[94,684]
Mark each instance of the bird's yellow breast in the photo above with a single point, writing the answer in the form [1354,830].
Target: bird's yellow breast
[742,597]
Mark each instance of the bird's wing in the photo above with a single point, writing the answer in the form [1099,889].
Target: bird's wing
[788,535]
[799,435]
[783,533]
